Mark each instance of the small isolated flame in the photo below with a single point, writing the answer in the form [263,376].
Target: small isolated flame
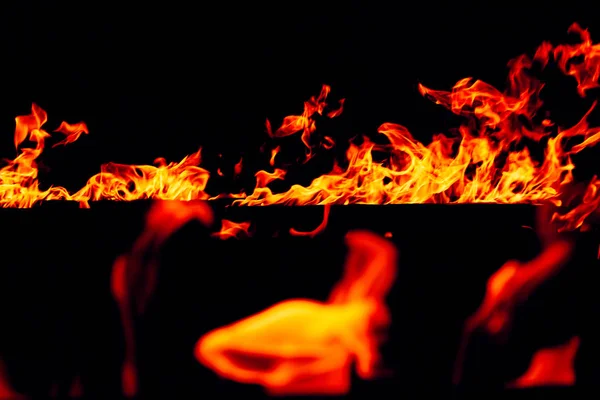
[487,160]
[235,230]
[307,347]
[318,229]
[551,367]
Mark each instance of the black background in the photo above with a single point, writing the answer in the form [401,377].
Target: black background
[165,79]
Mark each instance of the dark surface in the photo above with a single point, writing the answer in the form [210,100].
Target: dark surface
[60,319]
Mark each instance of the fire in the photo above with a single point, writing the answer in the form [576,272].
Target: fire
[134,274]
[230,229]
[19,186]
[318,229]
[551,367]
[304,346]
[487,160]
[72,132]
[306,123]
[482,163]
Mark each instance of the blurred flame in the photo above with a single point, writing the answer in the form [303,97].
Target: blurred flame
[71,132]
[551,367]
[510,285]
[76,389]
[6,389]
[230,229]
[307,347]
[134,274]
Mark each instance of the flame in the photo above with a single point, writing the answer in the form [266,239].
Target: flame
[274,153]
[551,367]
[6,389]
[19,186]
[306,122]
[134,274]
[510,285]
[72,132]
[304,346]
[487,161]
[230,229]
[318,229]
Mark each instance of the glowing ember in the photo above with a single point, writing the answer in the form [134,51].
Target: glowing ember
[303,346]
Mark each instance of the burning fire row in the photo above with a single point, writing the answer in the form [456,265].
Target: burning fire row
[486,160]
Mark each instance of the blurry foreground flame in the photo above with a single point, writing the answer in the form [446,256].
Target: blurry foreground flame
[307,347]
[134,274]
[6,389]
[513,283]
[551,367]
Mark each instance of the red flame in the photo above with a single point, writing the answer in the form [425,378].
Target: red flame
[303,346]
[134,274]
[551,367]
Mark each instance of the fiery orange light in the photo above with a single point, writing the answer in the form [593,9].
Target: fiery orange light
[488,161]
[304,346]
[230,229]
[134,274]
[551,367]
[318,229]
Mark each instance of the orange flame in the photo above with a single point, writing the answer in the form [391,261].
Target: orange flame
[71,132]
[551,367]
[482,164]
[318,229]
[487,161]
[303,346]
[306,123]
[230,229]
[20,188]
[134,274]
